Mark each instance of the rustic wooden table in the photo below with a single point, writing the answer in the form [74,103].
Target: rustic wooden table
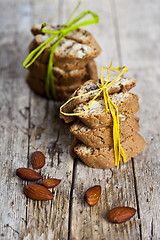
[128,31]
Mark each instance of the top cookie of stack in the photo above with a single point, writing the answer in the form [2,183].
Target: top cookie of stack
[94,128]
[73,61]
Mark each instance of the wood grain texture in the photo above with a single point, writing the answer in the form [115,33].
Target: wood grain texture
[129,32]
[139,38]
[117,182]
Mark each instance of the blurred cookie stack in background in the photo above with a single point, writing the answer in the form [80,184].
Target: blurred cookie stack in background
[73,62]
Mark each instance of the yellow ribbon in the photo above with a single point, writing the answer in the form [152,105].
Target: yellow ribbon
[102,87]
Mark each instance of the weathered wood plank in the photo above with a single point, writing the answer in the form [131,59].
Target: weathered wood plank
[118,183]
[14,113]
[147,171]
[49,134]
[138,23]
[129,32]
[139,37]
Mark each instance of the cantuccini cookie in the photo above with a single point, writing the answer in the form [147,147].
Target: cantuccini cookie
[104,157]
[67,49]
[64,77]
[121,85]
[38,86]
[96,116]
[79,35]
[64,86]
[103,137]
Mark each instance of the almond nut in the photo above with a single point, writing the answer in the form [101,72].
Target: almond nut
[120,214]
[37,192]
[50,182]
[28,174]
[37,159]
[92,195]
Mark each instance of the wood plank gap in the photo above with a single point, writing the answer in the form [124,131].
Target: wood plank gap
[137,200]
[116,29]
[117,38]
[29,123]
[151,237]
[71,197]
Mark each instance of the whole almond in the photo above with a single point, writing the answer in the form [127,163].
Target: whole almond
[50,182]
[120,214]
[37,192]
[28,174]
[92,195]
[37,159]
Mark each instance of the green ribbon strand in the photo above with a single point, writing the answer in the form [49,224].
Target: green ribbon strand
[60,34]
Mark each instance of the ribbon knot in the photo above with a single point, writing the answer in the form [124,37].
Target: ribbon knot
[109,105]
[101,87]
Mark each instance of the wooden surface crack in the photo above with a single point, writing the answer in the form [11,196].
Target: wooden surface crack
[71,199]
[8,226]
[137,200]
[151,237]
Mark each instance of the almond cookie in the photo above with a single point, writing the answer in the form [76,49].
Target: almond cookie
[67,49]
[103,137]
[104,157]
[96,116]
[38,86]
[63,77]
[79,35]
[121,85]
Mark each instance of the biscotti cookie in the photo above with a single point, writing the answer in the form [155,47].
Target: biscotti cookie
[67,49]
[63,63]
[71,87]
[64,77]
[70,64]
[61,85]
[104,157]
[95,116]
[69,77]
[103,137]
[79,35]
[121,85]
[38,85]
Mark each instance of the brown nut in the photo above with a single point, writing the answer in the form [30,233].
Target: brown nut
[120,214]
[28,174]
[37,159]
[50,182]
[37,192]
[92,195]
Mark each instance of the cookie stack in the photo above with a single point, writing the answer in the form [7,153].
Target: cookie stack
[73,62]
[93,130]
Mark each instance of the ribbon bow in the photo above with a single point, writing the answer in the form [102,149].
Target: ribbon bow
[67,28]
[109,105]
